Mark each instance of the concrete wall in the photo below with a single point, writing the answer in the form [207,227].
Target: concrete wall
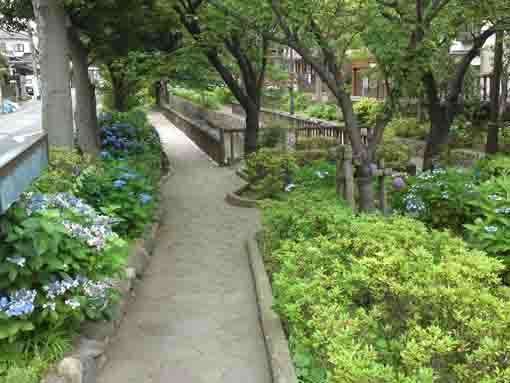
[217,133]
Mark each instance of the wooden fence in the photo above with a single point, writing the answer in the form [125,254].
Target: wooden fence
[225,145]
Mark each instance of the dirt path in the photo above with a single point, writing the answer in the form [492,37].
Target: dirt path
[195,316]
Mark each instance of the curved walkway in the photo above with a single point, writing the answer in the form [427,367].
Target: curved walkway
[195,317]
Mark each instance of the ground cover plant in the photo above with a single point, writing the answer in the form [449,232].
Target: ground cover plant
[64,245]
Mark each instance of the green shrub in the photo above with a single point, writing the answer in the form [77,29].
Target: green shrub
[311,143]
[440,198]
[495,166]
[272,136]
[367,110]
[408,128]
[64,167]
[223,95]
[385,300]
[306,213]
[491,230]
[460,135]
[307,157]
[58,256]
[394,153]
[203,98]
[269,172]
[322,111]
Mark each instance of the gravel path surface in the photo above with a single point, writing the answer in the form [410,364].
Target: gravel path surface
[195,317]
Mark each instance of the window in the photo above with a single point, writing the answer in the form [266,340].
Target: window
[20,48]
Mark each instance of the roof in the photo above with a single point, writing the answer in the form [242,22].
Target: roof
[4,35]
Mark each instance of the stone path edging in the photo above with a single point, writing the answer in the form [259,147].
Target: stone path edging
[88,357]
[235,199]
[277,346]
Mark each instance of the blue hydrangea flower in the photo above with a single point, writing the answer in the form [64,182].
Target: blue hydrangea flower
[495,197]
[119,183]
[145,198]
[18,261]
[491,229]
[18,304]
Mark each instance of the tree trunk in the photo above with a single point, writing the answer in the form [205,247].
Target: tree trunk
[35,63]
[493,135]
[504,97]
[85,114]
[119,91]
[438,136]
[252,130]
[57,115]
[365,187]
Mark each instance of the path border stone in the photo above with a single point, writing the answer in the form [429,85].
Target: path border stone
[235,199]
[277,346]
[89,354]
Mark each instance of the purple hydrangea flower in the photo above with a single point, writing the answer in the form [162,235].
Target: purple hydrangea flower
[399,183]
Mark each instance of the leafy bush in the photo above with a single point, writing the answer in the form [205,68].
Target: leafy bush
[307,157]
[58,258]
[305,214]
[305,143]
[223,95]
[407,127]
[440,198]
[495,166]
[385,300]
[394,153]
[367,110]
[122,193]
[269,172]
[64,167]
[322,111]
[203,98]
[491,230]
[272,136]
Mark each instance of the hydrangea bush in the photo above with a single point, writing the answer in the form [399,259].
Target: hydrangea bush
[58,258]
[491,229]
[63,246]
[440,198]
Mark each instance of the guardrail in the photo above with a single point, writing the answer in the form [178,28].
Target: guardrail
[20,166]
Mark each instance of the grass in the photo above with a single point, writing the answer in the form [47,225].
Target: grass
[27,360]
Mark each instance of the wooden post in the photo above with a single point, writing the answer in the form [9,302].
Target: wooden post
[349,178]
[223,153]
[340,176]
[382,189]
[232,152]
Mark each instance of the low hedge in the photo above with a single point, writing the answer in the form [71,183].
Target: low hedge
[373,299]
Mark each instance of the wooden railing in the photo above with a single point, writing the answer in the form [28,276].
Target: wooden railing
[225,145]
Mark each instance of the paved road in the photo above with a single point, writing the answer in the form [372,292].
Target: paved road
[16,128]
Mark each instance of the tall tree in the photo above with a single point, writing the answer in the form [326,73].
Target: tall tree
[431,27]
[238,55]
[55,70]
[322,35]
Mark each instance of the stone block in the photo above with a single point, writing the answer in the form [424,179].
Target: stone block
[100,330]
[139,259]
